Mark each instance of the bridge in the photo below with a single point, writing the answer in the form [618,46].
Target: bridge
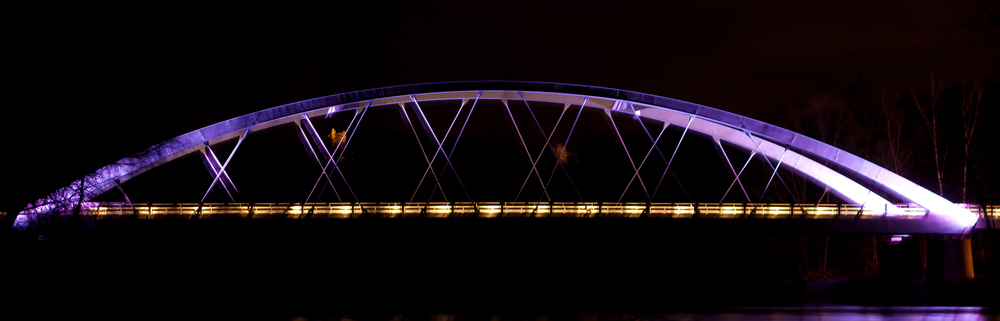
[413,168]
[823,218]
[642,136]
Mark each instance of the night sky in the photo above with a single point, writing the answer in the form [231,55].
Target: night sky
[94,84]
[91,84]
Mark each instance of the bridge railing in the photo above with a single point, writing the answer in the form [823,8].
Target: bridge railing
[501,209]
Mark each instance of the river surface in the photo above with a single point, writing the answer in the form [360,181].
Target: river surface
[838,313]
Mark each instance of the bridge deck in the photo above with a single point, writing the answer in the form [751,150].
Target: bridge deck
[850,218]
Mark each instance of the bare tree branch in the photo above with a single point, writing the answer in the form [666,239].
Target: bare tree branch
[930,111]
[972,95]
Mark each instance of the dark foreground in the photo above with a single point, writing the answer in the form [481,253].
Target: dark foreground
[419,267]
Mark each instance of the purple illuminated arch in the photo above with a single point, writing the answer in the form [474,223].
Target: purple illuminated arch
[779,145]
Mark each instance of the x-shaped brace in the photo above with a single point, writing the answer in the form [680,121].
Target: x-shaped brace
[545,187]
[334,157]
[222,170]
[308,132]
[736,176]
[406,119]
[439,149]
[550,147]
[669,162]
[637,169]
[214,167]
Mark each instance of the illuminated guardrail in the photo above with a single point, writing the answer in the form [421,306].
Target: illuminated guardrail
[499,209]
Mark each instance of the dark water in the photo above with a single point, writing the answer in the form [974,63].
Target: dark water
[838,313]
[802,313]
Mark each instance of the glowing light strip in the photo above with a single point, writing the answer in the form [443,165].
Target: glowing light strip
[489,209]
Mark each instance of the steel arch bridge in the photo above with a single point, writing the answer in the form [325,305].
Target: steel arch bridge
[851,178]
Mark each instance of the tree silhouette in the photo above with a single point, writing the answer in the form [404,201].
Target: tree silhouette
[895,151]
[930,112]
[972,96]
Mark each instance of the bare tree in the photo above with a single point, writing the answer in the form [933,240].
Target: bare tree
[824,116]
[972,95]
[930,111]
[897,153]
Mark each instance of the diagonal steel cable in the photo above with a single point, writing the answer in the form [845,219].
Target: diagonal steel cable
[563,151]
[440,148]
[672,156]
[333,160]
[406,117]
[548,144]
[629,155]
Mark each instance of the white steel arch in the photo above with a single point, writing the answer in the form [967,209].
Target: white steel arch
[784,147]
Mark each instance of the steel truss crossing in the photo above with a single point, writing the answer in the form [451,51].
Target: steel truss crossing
[780,148]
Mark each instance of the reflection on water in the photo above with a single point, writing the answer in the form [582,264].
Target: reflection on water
[839,313]
[798,313]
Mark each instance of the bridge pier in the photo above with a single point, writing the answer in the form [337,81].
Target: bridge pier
[958,259]
[950,257]
[947,257]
